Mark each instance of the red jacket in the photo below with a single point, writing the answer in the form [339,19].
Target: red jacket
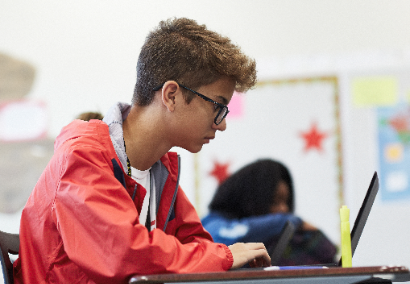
[80,224]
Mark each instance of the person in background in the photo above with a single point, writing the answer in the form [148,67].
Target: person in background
[87,116]
[254,204]
[108,205]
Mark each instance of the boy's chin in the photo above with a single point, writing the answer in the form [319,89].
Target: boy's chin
[194,149]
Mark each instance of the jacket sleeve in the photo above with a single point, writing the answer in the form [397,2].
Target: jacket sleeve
[251,229]
[100,231]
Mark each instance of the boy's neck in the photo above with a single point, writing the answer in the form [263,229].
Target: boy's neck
[144,137]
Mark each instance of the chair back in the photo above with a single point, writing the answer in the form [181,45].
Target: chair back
[9,243]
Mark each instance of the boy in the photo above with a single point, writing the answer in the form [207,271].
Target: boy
[108,205]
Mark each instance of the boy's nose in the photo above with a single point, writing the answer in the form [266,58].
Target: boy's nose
[221,126]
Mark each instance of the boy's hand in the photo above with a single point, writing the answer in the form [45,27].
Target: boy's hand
[253,253]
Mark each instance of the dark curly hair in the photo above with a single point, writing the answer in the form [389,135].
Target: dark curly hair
[250,191]
[181,50]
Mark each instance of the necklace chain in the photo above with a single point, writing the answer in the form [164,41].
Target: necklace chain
[129,167]
[128,161]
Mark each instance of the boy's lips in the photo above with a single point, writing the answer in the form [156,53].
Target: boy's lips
[208,139]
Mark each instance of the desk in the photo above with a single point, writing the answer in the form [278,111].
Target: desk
[334,275]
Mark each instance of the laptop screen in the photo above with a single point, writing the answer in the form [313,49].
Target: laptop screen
[364,211]
[363,214]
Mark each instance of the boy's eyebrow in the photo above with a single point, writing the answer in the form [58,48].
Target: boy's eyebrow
[223,99]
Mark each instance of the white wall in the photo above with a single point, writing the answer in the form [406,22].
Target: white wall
[85,54]
[86,51]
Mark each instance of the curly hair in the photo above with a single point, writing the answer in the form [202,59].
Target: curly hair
[250,191]
[181,50]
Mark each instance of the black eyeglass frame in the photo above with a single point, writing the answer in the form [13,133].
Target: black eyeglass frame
[221,107]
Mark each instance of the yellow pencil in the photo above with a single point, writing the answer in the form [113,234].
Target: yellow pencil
[345,237]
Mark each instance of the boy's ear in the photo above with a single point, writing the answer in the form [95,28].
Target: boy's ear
[169,91]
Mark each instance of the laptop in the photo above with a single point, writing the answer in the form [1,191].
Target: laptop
[355,235]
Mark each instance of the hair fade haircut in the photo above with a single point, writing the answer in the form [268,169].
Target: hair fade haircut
[250,191]
[181,50]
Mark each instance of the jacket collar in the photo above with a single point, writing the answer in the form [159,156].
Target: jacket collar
[114,119]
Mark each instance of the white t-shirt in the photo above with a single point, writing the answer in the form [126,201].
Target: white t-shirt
[144,179]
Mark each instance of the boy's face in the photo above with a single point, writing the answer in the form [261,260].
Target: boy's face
[196,119]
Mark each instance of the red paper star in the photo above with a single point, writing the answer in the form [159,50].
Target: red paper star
[313,138]
[220,171]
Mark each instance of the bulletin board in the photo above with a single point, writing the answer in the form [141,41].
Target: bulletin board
[386,96]
[294,121]
[377,123]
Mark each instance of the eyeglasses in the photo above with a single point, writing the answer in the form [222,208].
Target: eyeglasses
[223,109]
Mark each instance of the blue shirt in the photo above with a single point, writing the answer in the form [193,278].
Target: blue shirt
[251,229]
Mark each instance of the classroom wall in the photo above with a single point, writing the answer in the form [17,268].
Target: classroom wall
[84,55]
